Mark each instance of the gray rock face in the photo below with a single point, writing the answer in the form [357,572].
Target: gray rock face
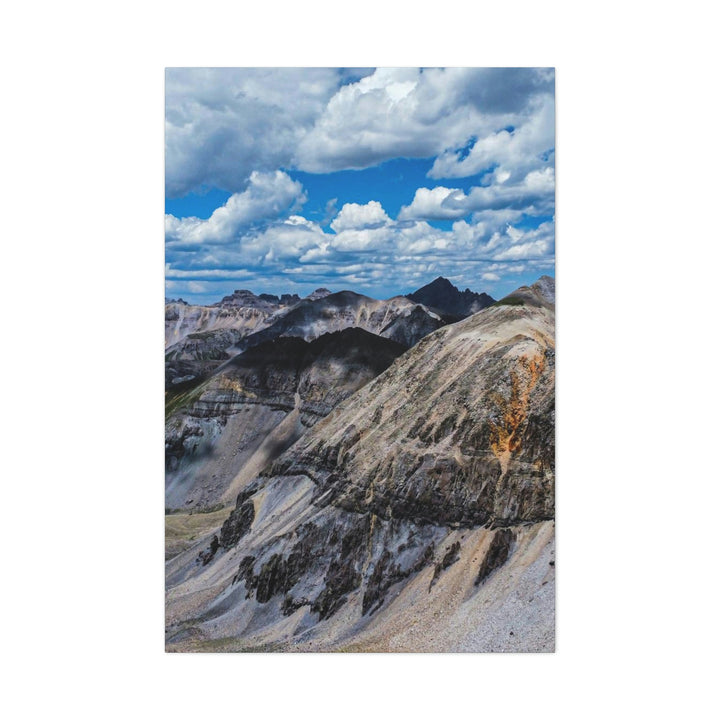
[196,356]
[427,497]
[258,405]
[466,423]
[497,554]
[239,522]
[182,320]
[198,339]
[264,301]
[319,294]
[409,329]
[539,294]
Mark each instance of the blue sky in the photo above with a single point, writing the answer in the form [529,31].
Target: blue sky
[285,180]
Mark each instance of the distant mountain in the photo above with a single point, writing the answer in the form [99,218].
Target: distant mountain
[246,298]
[442,295]
[398,318]
[539,294]
[182,319]
[318,294]
[198,339]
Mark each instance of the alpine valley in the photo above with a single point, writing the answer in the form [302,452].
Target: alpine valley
[352,474]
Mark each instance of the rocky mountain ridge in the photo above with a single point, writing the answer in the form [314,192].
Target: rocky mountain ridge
[247,298]
[397,318]
[442,295]
[200,339]
[423,500]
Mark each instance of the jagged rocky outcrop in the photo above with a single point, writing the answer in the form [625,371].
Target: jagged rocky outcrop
[497,553]
[442,295]
[259,404]
[197,355]
[539,294]
[182,319]
[265,301]
[397,318]
[417,515]
[319,294]
[198,339]
[409,328]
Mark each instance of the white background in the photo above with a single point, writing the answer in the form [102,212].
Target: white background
[82,290]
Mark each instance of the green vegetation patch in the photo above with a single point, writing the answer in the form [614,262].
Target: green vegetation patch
[176,399]
[511,300]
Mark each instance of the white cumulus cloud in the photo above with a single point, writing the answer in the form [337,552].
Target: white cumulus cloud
[223,123]
[430,204]
[514,153]
[353,216]
[268,195]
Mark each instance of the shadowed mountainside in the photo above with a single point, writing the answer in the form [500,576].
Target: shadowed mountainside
[198,339]
[258,404]
[442,295]
[397,318]
[201,339]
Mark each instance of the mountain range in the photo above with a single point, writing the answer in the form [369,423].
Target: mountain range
[344,473]
[198,339]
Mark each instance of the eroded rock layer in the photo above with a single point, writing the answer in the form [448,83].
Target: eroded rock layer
[222,433]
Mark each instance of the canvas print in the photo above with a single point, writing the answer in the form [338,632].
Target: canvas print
[360,359]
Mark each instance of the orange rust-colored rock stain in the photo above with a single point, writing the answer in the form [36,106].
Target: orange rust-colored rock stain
[505,435]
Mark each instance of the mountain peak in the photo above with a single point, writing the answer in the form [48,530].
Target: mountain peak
[444,296]
[239,297]
[540,294]
[318,294]
[250,299]
[546,287]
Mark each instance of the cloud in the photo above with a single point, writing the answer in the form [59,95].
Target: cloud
[507,90]
[431,205]
[223,123]
[367,246]
[534,194]
[359,217]
[244,130]
[513,153]
[267,196]
[518,244]
[330,211]
[417,113]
